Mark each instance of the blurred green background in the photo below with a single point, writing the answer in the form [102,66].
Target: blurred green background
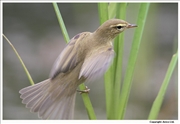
[34,31]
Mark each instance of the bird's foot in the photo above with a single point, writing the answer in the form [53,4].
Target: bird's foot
[84,91]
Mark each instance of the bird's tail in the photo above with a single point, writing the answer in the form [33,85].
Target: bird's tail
[39,99]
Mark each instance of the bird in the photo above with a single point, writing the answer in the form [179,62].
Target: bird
[86,57]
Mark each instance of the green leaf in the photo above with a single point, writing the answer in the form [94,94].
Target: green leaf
[108,78]
[132,59]
[118,60]
[22,63]
[61,22]
[112,10]
[159,99]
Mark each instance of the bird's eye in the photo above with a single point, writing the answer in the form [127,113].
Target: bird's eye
[119,27]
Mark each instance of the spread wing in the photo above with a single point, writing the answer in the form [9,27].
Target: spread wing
[67,60]
[96,64]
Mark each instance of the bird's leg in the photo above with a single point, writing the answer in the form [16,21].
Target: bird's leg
[84,91]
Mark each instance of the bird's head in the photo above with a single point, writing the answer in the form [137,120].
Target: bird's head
[113,27]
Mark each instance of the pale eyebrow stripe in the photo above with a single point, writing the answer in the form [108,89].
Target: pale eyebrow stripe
[123,25]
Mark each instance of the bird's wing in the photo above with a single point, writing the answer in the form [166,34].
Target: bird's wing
[67,60]
[96,64]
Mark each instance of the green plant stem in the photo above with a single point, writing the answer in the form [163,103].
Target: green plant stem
[61,22]
[87,103]
[118,60]
[132,59]
[109,76]
[103,12]
[159,99]
[85,97]
[112,9]
[25,69]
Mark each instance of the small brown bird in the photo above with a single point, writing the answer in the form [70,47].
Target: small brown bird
[87,56]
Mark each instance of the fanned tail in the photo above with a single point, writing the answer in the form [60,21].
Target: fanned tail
[39,99]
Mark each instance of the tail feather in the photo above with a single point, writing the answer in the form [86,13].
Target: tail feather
[34,100]
[27,90]
[28,98]
[50,104]
[46,113]
[45,105]
[40,101]
[33,94]
[59,108]
[63,109]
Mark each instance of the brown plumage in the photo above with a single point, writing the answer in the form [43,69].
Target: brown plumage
[86,57]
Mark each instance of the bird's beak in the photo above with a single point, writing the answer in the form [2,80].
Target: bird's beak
[131,26]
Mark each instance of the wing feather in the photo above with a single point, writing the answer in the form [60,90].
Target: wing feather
[68,58]
[96,64]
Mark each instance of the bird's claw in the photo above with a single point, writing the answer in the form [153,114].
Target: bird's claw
[84,91]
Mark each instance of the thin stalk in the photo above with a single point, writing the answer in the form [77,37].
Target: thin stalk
[118,60]
[159,99]
[22,63]
[61,22]
[85,97]
[132,59]
[108,77]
